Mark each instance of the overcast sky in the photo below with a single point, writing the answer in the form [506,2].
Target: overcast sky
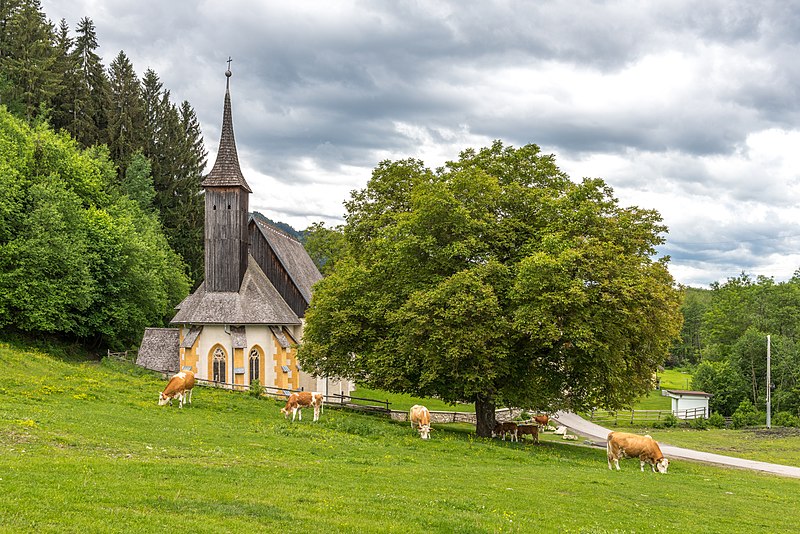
[690,108]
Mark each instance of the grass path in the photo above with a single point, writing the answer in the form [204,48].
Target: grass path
[85,448]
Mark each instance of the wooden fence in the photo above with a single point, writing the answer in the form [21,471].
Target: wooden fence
[643,416]
[365,404]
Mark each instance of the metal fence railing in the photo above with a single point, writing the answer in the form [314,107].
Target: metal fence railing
[644,416]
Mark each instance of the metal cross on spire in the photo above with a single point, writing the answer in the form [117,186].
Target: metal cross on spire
[229,62]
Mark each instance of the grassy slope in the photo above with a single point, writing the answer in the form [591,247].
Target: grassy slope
[84,447]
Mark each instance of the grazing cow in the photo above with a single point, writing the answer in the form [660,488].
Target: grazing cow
[542,420]
[532,430]
[506,427]
[303,399]
[422,417]
[180,387]
[624,445]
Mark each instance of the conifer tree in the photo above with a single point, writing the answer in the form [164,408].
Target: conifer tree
[28,58]
[90,88]
[173,143]
[125,114]
[61,112]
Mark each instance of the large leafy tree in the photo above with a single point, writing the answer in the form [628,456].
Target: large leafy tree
[324,245]
[495,280]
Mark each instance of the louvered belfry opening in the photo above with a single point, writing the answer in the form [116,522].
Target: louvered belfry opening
[227,211]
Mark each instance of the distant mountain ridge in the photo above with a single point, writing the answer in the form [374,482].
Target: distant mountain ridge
[282,226]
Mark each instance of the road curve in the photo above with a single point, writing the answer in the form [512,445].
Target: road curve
[595,432]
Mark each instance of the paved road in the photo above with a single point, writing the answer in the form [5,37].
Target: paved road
[597,433]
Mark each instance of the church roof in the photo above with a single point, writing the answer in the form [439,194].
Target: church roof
[257,302]
[291,253]
[226,171]
[159,349]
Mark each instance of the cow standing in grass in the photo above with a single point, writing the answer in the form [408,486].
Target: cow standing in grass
[179,387]
[420,416]
[525,430]
[504,428]
[542,420]
[297,401]
[624,445]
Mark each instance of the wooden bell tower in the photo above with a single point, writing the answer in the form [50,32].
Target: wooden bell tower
[227,211]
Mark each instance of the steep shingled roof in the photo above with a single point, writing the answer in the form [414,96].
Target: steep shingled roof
[257,302]
[226,171]
[293,256]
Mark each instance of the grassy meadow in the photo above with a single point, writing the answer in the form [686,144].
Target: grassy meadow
[85,448]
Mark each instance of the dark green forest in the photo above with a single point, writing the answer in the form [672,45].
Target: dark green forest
[51,74]
[101,210]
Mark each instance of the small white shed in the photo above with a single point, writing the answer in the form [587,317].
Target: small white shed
[688,404]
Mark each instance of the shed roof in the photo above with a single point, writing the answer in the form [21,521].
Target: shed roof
[294,257]
[684,393]
[257,302]
[159,350]
[191,336]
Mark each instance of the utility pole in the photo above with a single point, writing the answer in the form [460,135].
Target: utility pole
[769,386]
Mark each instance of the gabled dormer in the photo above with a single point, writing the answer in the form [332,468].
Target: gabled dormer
[227,208]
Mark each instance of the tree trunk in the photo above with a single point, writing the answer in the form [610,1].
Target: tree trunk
[484,413]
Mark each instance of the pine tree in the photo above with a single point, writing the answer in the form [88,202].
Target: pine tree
[91,87]
[28,55]
[125,114]
[190,195]
[173,143]
[62,103]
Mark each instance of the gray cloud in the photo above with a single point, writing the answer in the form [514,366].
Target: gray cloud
[663,98]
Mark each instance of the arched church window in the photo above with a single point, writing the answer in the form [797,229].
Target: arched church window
[219,365]
[255,360]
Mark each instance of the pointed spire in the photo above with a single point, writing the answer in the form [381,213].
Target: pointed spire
[226,171]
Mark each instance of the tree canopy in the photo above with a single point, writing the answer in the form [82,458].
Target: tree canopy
[78,256]
[729,325]
[495,280]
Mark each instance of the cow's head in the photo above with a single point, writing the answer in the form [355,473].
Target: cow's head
[285,412]
[163,399]
[424,431]
[661,465]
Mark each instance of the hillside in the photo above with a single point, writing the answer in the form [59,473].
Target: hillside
[84,447]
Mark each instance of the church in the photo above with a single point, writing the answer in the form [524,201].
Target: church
[244,322]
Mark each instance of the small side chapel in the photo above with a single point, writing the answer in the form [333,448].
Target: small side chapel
[244,321]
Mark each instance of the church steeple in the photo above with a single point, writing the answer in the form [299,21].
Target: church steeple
[226,170]
[227,211]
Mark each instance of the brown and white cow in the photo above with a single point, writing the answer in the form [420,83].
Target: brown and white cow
[420,416]
[303,399]
[504,428]
[542,420]
[525,430]
[179,387]
[624,445]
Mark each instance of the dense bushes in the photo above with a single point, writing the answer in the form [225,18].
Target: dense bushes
[746,415]
[77,256]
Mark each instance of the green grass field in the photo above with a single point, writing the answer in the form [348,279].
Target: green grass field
[85,448]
